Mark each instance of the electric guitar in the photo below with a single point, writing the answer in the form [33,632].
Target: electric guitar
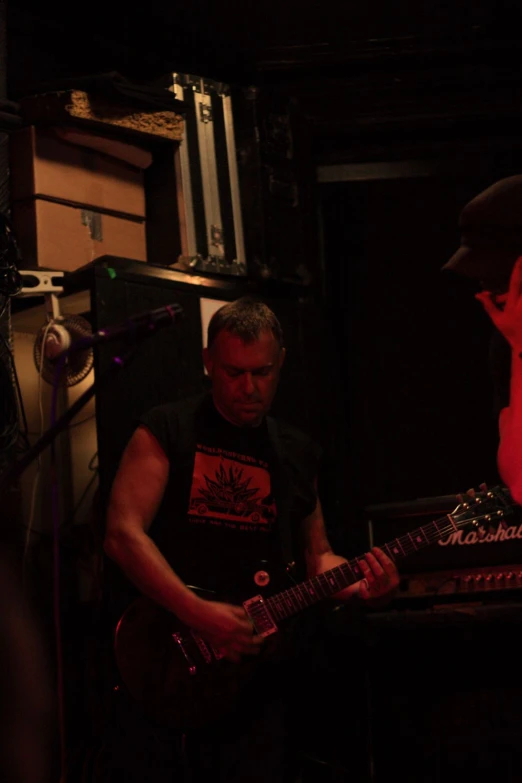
[183,681]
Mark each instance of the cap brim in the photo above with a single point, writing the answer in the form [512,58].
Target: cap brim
[482,263]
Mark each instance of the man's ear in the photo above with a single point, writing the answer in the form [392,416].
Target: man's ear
[207,361]
[282,355]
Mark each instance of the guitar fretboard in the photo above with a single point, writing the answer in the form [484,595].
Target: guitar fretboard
[289,602]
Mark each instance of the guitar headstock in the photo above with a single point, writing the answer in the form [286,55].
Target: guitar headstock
[484,510]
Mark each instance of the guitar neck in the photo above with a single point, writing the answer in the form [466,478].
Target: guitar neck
[329,583]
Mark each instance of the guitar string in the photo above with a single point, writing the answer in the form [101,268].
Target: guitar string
[431,532]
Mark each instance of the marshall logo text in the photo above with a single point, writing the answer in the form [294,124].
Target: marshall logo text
[460,538]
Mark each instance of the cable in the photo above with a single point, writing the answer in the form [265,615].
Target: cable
[94,477]
[56,573]
[29,528]
[19,403]
[8,410]
[4,305]
[72,424]
[83,421]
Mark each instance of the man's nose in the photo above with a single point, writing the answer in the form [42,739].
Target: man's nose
[248,383]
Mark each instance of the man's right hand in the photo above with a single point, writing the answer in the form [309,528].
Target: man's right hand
[227,628]
[506,310]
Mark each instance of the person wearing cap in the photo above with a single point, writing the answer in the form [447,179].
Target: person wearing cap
[491,252]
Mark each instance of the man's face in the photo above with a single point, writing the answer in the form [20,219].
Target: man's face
[244,376]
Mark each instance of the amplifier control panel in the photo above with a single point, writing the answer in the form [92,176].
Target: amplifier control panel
[474,583]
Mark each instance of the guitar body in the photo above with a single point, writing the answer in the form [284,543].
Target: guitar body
[173,674]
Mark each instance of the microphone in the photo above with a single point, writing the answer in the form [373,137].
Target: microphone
[136,327]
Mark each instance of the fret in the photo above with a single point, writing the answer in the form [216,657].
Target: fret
[308,593]
[274,607]
[424,537]
[355,571]
[319,586]
[281,607]
[303,594]
[415,547]
[289,602]
[407,545]
[298,595]
[431,532]
[436,527]
[310,587]
[452,521]
[394,549]
[333,583]
[288,608]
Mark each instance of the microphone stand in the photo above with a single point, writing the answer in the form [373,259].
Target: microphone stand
[139,328]
[15,471]
[8,478]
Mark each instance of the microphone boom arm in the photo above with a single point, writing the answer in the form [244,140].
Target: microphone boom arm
[137,327]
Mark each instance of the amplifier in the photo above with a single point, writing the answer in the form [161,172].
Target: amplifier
[484,585]
[462,548]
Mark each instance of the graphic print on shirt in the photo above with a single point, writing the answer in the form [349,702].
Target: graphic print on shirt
[231,489]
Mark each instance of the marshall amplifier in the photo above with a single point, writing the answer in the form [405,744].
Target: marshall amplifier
[445,690]
[446,546]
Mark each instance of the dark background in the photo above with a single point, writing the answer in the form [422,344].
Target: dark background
[401,113]
[422,86]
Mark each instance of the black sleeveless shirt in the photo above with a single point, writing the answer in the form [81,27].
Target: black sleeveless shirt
[235,495]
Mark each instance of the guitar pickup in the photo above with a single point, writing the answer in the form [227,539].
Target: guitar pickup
[180,643]
[202,647]
[258,612]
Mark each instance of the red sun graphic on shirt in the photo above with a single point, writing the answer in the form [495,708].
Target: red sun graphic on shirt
[235,489]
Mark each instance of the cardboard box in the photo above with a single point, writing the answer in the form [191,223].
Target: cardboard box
[43,165]
[66,237]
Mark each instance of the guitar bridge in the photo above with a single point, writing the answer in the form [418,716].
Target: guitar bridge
[258,612]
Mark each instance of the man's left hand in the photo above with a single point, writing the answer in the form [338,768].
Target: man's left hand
[380,577]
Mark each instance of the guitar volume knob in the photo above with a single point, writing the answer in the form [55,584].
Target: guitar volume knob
[261,578]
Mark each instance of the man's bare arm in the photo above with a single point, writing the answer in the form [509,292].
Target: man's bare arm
[137,493]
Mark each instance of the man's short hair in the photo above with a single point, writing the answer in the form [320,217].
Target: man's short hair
[247,318]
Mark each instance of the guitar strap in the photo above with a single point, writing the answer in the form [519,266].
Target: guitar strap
[283,492]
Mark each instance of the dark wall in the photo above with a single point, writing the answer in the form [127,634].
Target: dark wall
[412,340]
[444,704]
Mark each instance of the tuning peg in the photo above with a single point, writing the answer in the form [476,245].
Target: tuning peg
[488,524]
[471,492]
[483,487]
